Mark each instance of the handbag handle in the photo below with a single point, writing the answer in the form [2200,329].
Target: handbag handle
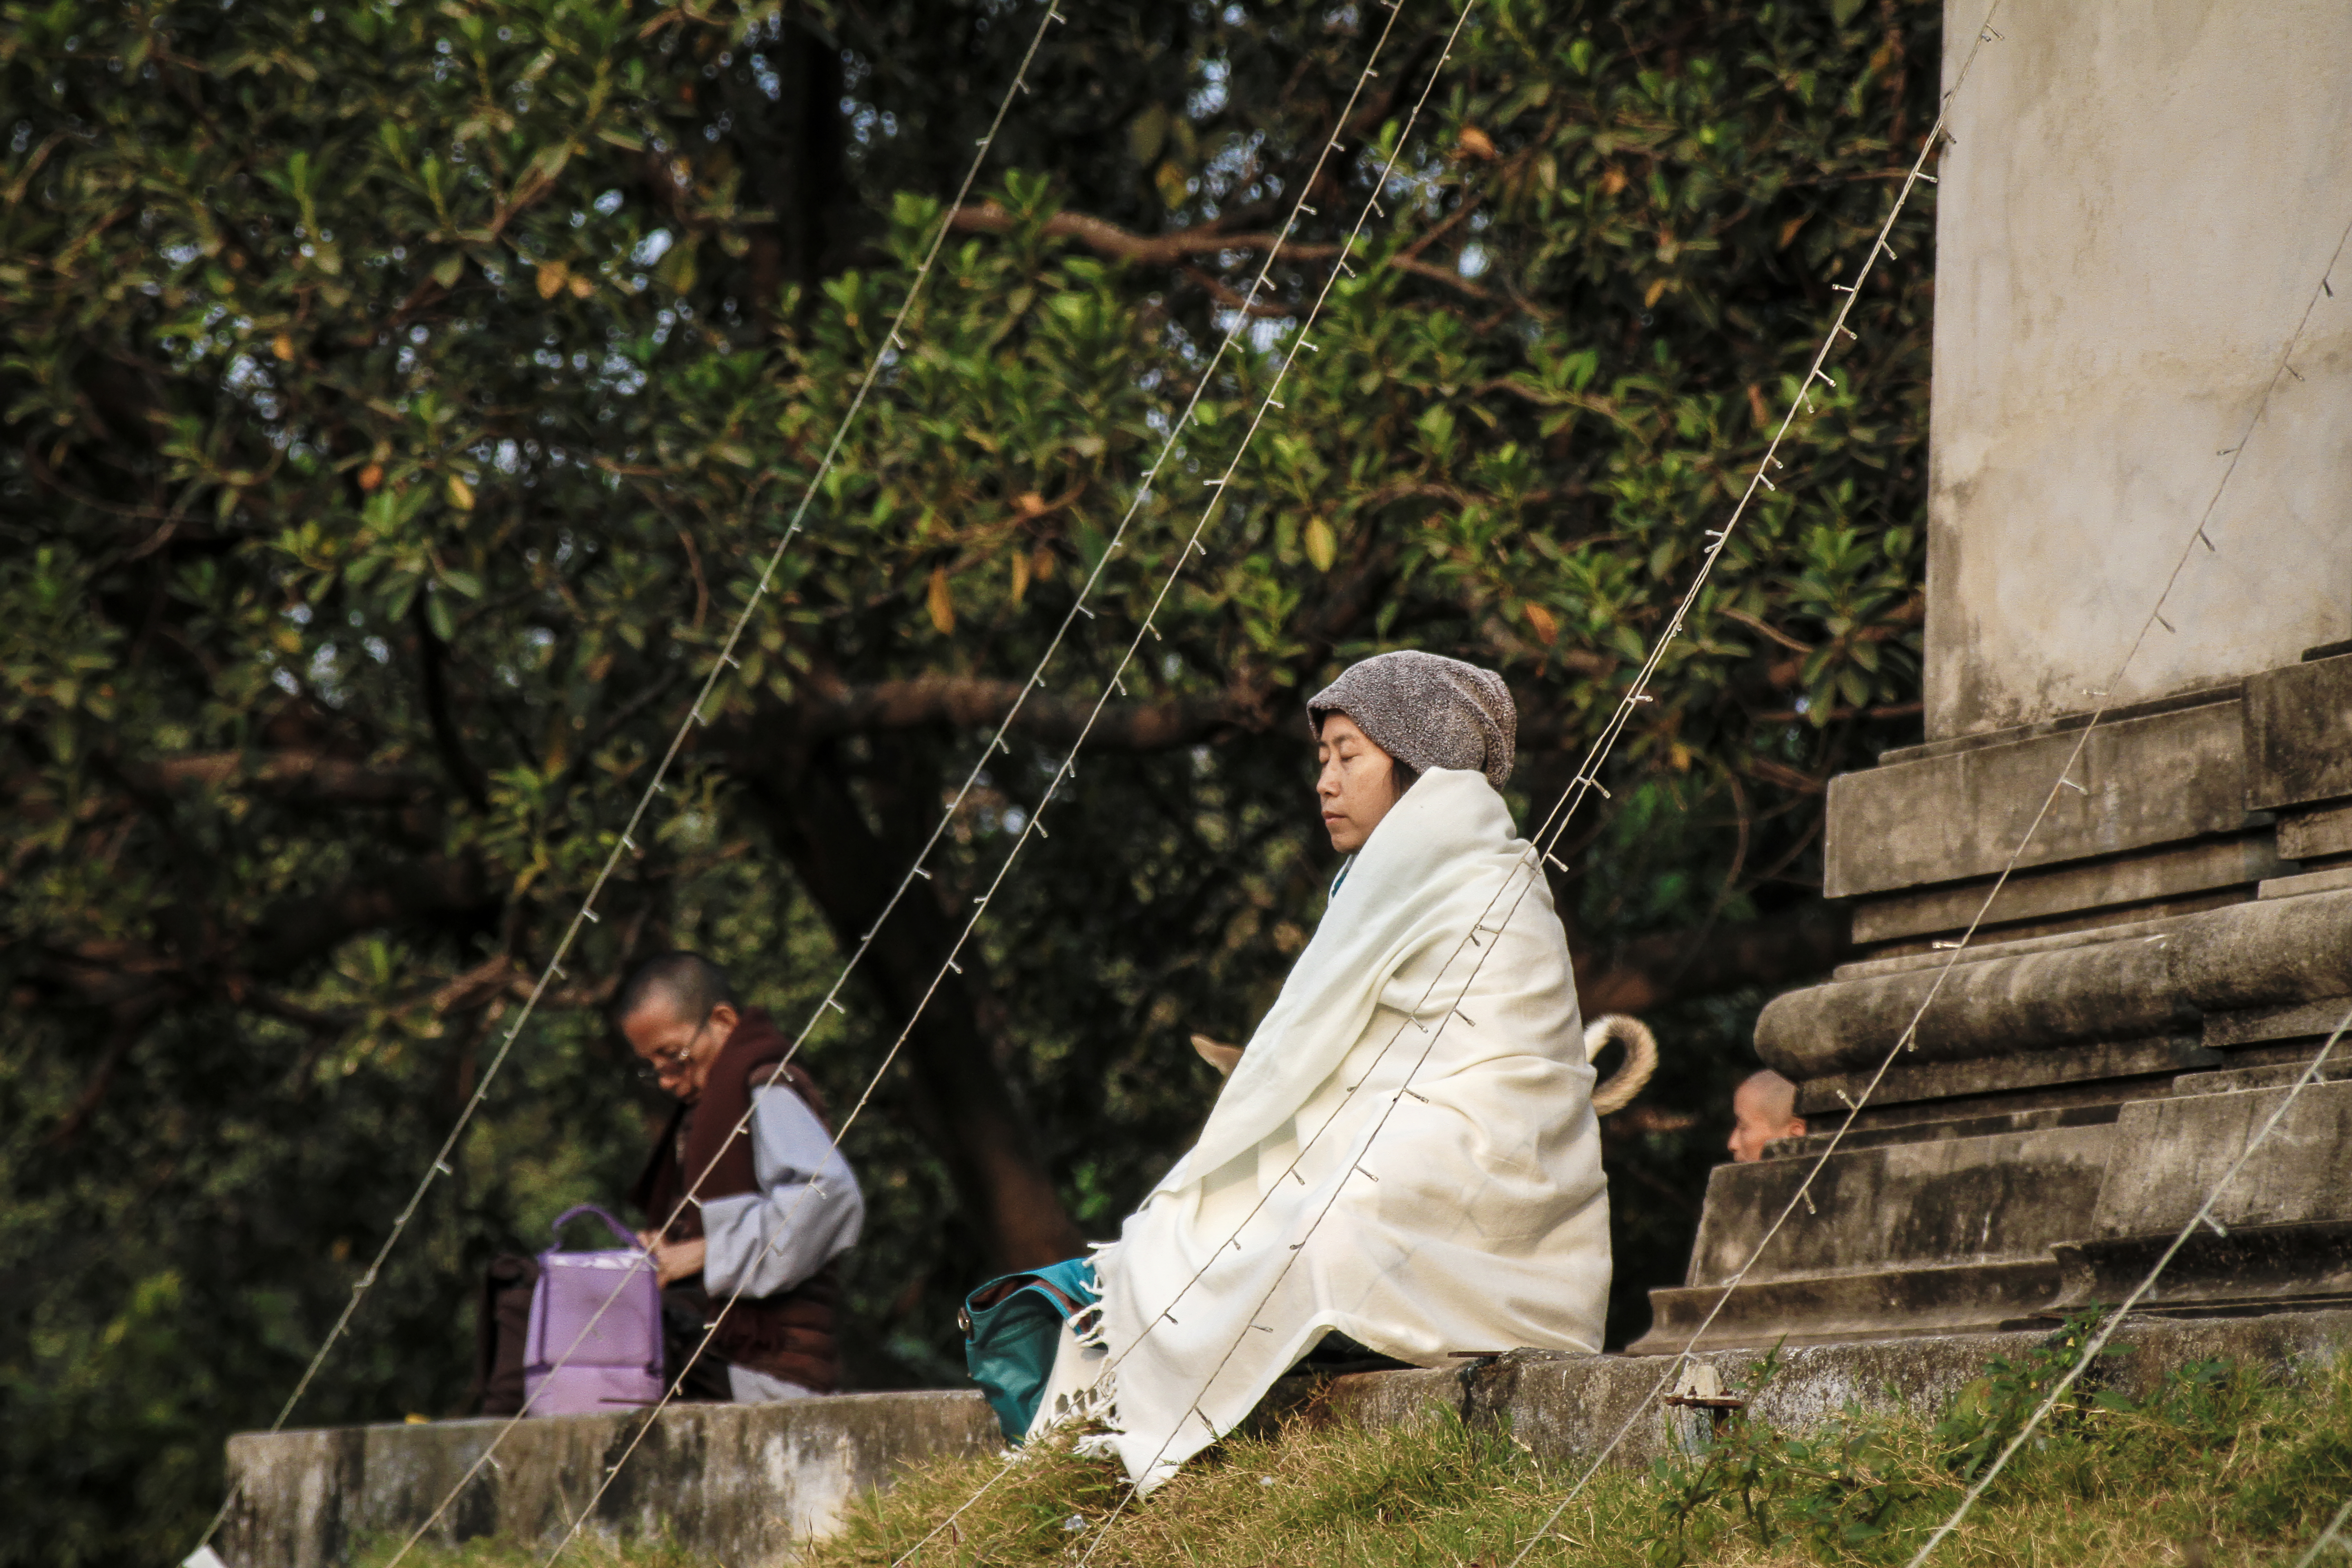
[626,1237]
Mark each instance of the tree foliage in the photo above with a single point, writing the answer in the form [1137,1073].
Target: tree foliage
[400,402]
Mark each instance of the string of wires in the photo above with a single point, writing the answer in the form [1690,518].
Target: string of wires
[1908,1039]
[624,843]
[2327,1537]
[1193,547]
[2115,1320]
[2204,1215]
[1585,780]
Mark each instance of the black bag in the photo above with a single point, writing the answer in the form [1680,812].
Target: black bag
[501,1324]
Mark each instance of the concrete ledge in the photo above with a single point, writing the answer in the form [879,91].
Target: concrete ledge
[1570,1406]
[741,1483]
[2160,876]
[745,1486]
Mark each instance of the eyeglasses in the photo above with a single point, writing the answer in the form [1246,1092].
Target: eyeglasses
[651,1068]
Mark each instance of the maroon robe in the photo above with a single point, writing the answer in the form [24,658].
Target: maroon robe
[788,1335]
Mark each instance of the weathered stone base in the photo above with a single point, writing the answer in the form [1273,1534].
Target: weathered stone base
[1978,1229]
[742,1484]
[747,1486]
[2041,1114]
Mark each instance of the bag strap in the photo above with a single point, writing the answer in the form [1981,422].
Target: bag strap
[626,1237]
[1003,1288]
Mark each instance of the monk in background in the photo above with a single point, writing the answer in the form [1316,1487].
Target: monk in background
[776,1205]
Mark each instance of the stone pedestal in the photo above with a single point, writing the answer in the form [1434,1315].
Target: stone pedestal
[2134,213]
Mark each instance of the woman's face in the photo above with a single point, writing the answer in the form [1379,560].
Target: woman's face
[1357,786]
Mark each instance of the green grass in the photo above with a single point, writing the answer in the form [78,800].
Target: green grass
[2219,1466]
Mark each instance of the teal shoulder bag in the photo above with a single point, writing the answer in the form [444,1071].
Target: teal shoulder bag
[1012,1327]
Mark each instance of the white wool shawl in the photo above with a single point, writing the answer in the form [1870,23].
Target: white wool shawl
[1406,1154]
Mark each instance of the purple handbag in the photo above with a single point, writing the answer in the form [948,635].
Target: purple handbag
[576,1361]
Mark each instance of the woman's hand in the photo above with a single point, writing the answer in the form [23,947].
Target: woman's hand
[673,1261]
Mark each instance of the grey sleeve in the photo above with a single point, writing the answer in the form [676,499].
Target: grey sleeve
[807,1212]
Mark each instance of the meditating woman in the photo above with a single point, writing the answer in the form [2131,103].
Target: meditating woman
[1405,1153]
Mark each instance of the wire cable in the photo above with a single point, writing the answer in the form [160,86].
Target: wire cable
[2115,1320]
[1586,778]
[1011,1455]
[1908,1039]
[2327,1537]
[1066,770]
[891,342]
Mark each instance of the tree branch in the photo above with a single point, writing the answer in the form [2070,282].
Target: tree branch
[127,1034]
[295,930]
[1107,238]
[974,702]
[304,777]
[434,658]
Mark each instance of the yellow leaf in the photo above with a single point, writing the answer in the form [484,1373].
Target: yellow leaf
[581,288]
[1020,576]
[461,494]
[1322,544]
[1789,229]
[1175,189]
[551,279]
[1546,625]
[1148,132]
[1656,288]
[1476,143]
[939,602]
[370,477]
[282,345]
[1612,181]
[1029,503]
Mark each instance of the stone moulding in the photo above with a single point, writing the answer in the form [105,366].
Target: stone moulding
[2158,778]
[2160,980]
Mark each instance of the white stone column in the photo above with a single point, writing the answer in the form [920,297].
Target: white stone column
[2140,202]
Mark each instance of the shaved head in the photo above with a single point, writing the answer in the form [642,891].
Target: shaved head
[1764,1108]
[681,986]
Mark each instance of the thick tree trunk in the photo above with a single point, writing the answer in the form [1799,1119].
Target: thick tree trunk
[987,1144]
[795,157]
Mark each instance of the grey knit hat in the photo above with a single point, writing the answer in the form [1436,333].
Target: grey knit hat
[1427,712]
